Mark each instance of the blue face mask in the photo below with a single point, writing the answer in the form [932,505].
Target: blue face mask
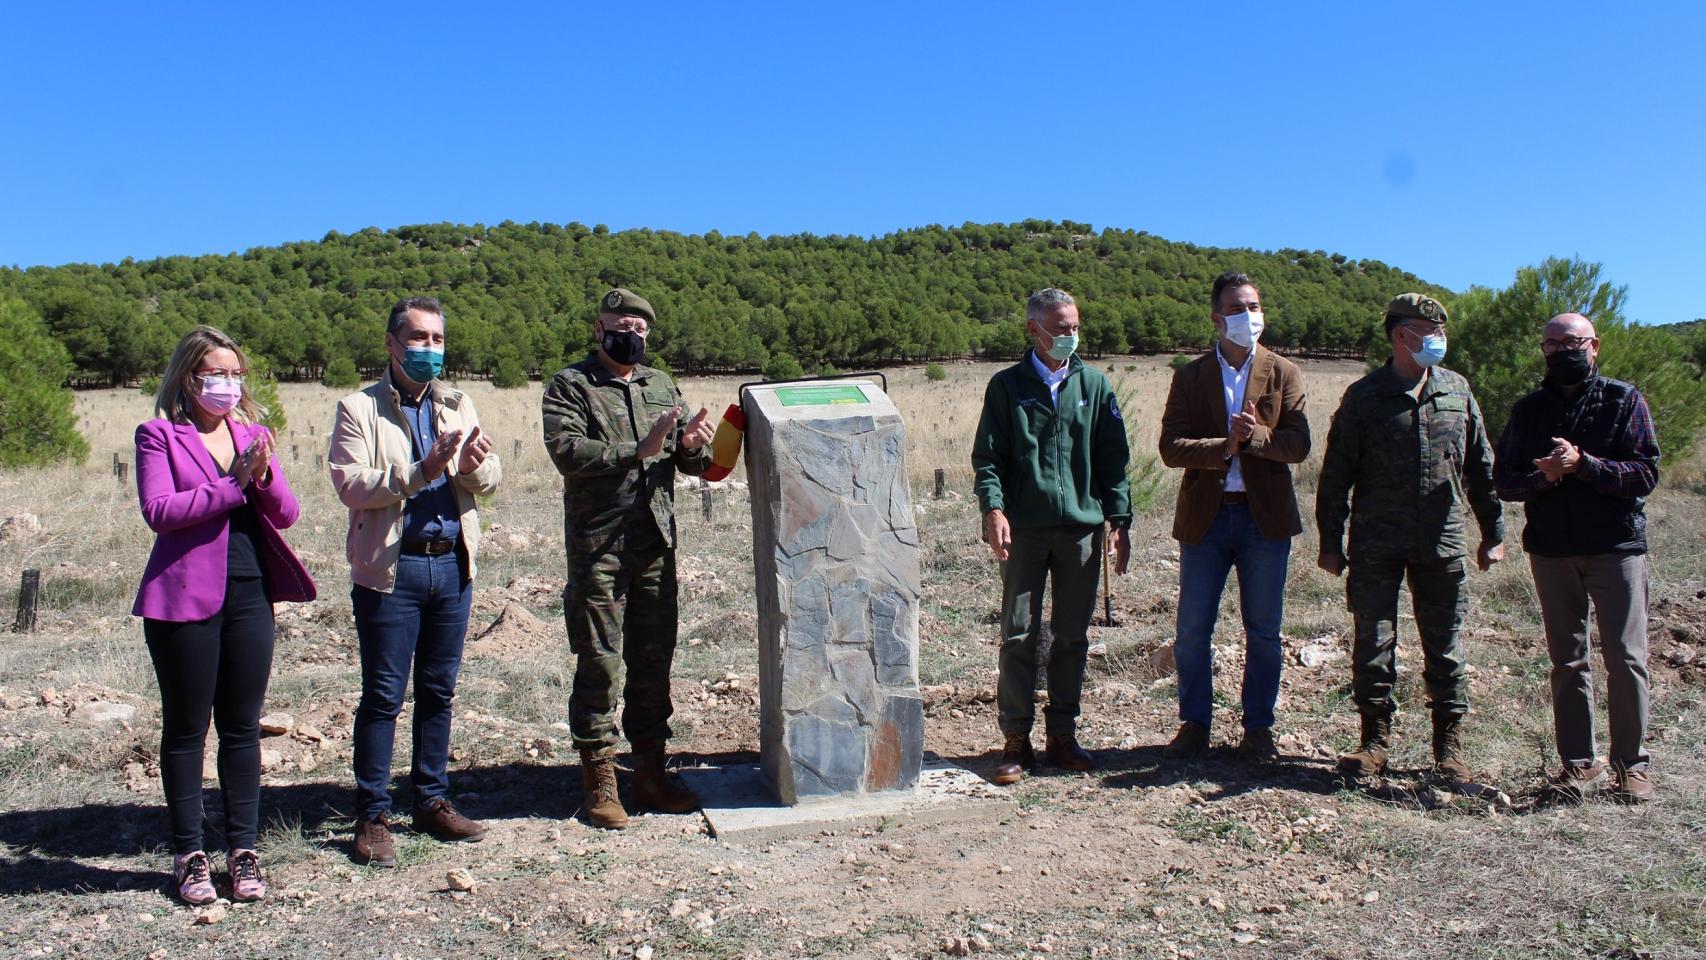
[1063,347]
[422,364]
[1432,352]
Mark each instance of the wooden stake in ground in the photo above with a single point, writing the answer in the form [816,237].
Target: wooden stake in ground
[1107,577]
[29,592]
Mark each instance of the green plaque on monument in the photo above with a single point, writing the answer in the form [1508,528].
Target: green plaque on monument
[818,396]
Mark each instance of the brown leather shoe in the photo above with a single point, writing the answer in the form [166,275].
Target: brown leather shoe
[598,784]
[1635,786]
[1574,782]
[1258,747]
[1190,741]
[655,788]
[1016,758]
[1369,758]
[440,819]
[1449,764]
[373,842]
[1062,750]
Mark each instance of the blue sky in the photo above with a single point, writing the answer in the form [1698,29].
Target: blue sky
[1459,141]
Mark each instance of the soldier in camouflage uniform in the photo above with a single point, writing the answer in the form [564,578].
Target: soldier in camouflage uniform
[613,427]
[1408,443]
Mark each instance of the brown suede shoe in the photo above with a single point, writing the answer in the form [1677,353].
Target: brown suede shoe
[1635,786]
[440,819]
[373,842]
[1016,757]
[1190,741]
[1369,758]
[1574,783]
[601,801]
[1449,764]
[1258,747]
[1062,750]
[655,788]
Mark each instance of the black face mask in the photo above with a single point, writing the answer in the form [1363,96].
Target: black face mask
[1568,368]
[624,346]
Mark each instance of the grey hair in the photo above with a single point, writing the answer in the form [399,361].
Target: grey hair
[1046,300]
[400,311]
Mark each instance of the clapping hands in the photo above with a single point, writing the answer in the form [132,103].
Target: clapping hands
[1561,462]
[255,462]
[474,452]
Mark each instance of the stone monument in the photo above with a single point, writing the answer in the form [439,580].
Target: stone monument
[835,551]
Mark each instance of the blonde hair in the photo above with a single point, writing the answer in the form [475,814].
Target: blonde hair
[175,399]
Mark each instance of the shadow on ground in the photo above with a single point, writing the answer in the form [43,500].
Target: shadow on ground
[47,850]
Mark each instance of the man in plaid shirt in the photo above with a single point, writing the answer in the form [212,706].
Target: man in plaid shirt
[1581,454]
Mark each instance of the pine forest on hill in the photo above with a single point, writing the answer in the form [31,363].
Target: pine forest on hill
[525,293]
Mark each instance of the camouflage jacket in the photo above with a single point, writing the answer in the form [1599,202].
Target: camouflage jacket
[1410,463]
[593,422]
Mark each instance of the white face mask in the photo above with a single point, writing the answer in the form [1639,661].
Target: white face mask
[1244,328]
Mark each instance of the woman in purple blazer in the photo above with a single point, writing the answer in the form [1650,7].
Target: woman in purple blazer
[216,497]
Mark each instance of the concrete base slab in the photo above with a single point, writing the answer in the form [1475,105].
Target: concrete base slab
[738,805]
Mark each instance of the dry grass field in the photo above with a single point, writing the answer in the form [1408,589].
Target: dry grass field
[1140,858]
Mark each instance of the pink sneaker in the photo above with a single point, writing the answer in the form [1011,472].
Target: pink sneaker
[194,877]
[245,869]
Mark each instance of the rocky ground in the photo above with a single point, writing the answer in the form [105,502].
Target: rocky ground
[1140,858]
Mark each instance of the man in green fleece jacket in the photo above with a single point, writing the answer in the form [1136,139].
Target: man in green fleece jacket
[1050,460]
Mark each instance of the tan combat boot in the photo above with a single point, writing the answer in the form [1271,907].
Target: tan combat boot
[655,787]
[1449,764]
[1369,759]
[598,782]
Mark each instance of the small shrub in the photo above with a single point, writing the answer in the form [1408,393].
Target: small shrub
[263,386]
[934,373]
[341,374]
[783,367]
[509,374]
[1180,360]
[1151,485]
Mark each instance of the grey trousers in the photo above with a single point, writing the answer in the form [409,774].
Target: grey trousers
[1617,585]
[1071,558]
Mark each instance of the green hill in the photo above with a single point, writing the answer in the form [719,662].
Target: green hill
[527,291]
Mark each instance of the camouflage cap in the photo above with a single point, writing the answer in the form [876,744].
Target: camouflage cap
[1415,306]
[626,303]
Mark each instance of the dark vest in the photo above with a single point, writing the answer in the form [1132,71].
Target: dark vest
[1573,519]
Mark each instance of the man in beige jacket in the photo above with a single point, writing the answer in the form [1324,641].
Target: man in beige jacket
[408,457]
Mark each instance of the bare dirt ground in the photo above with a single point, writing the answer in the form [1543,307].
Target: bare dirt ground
[1140,858]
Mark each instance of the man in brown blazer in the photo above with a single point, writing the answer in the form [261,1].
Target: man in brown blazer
[1235,422]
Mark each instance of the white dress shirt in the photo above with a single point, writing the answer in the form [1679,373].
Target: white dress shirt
[1233,382]
[1053,378]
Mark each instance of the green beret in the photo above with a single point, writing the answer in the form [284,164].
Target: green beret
[626,303]
[1414,306]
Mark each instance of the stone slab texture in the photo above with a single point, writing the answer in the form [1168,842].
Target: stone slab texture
[738,805]
[835,551]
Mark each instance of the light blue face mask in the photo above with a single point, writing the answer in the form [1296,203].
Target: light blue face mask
[1063,347]
[1432,352]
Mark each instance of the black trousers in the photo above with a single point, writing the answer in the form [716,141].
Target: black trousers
[218,666]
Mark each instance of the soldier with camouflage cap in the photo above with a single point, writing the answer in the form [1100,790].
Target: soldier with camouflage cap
[612,426]
[1408,442]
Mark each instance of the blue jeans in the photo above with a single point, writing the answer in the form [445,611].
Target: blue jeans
[1232,541]
[424,619]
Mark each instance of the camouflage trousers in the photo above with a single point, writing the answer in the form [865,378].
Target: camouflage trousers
[620,608]
[1436,591]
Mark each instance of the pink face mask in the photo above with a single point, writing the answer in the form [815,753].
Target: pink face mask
[218,395]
